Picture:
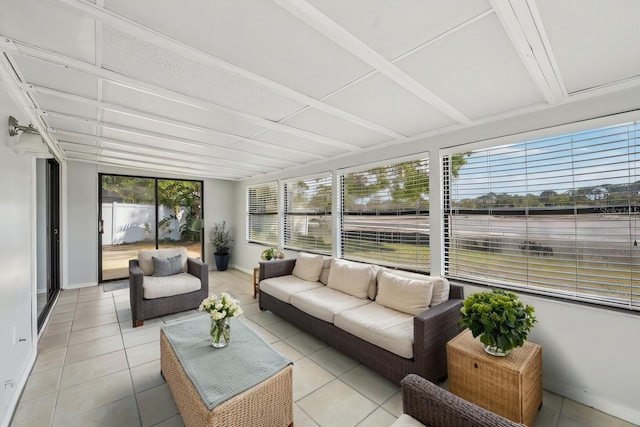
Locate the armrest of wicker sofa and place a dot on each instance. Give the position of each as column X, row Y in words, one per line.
column 276, row 268
column 136, row 292
column 197, row 268
column 434, row 406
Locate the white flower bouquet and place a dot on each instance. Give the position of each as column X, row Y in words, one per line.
column 220, row 309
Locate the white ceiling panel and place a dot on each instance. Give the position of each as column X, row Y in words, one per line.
column 163, row 108
column 378, row 99
column 330, row 126
column 235, row 89
column 57, row 77
column 50, row 25
column 256, row 35
column 480, row 60
column 167, row 69
column 393, row 28
column 595, row 42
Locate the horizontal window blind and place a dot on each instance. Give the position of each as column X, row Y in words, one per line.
column 556, row 215
column 307, row 214
column 385, row 215
column 262, row 215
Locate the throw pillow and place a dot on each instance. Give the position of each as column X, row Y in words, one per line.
column 440, row 284
column 326, row 266
column 406, row 295
column 352, row 278
column 167, row 266
column 308, row 267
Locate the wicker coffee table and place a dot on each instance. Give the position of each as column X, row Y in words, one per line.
column 268, row 403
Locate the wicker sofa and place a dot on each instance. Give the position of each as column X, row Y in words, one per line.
column 428, row 330
column 426, row 404
column 152, row 296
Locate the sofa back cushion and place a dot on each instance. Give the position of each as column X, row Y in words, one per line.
column 440, row 284
column 308, row 267
column 145, row 258
column 409, row 296
column 352, row 278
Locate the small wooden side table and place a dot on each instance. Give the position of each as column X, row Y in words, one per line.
column 510, row 386
column 256, row 281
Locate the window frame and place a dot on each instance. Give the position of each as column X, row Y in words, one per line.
column 272, row 210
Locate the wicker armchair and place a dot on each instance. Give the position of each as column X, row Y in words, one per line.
column 142, row 308
column 434, row 406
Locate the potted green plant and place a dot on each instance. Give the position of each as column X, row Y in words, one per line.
column 499, row 318
column 222, row 242
column 272, row 253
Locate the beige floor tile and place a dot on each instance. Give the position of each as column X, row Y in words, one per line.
column 95, row 333
column 58, row 328
column 49, row 360
column 308, row 377
column 393, row 405
column 379, row 418
column 333, row 361
column 64, row 307
column 103, row 302
column 180, row 316
column 565, row 421
column 124, row 314
column 287, row 351
column 156, row 405
column 67, row 316
column 305, row 343
column 348, row 407
column 590, row 416
column 147, row 376
column 144, row 353
column 551, row 400
column 547, row 417
column 94, row 368
column 42, row 384
column 264, row 318
column 250, row 309
column 264, row 335
column 127, row 326
column 89, row 349
column 34, row 412
column 370, row 384
column 123, row 412
column 301, row 418
column 53, row 342
column 88, row 396
column 175, row 421
column 85, row 313
column 141, row 336
column 282, row 329
column 91, row 322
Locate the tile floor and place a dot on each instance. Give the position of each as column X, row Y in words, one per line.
column 94, row 369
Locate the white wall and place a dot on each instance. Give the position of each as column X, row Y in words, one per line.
column 17, row 266
column 590, row 354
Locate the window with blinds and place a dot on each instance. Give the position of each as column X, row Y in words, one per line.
column 262, row 215
column 307, row 214
column 556, row 215
column 385, row 215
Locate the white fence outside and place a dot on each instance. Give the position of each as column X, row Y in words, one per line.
column 130, row 223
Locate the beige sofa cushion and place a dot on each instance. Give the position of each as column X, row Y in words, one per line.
column 323, row 303
column 406, row 295
column 146, row 263
column 382, row 326
column 282, row 287
column 441, row 287
column 308, row 267
column 166, row 286
column 352, row 278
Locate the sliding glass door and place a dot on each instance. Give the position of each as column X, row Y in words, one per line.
column 146, row 213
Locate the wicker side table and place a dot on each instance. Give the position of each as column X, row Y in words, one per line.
column 510, row 386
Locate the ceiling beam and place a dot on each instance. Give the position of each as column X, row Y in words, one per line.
column 331, row 30
column 25, row 49
column 523, row 25
column 152, row 36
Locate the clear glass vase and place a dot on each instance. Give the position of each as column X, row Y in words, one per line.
column 220, row 333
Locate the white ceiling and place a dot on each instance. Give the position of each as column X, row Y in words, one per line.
column 232, row 89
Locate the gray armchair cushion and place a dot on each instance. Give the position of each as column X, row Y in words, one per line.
column 167, row 266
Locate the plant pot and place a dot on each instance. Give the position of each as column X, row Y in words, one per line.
column 222, row 262
column 494, row 350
